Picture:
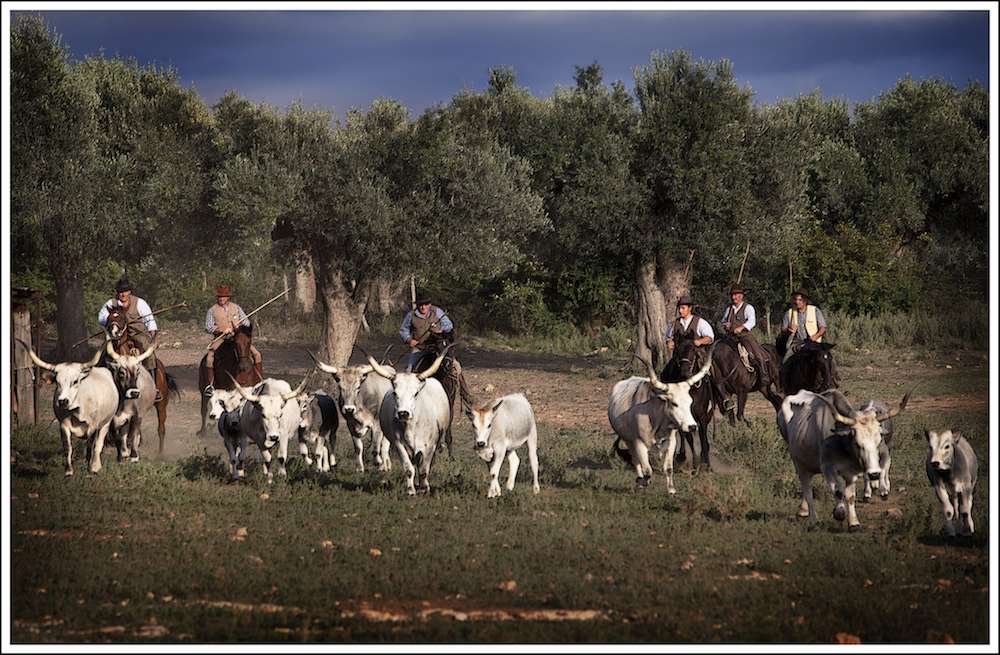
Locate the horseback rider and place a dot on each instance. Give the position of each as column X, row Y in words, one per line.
column 738, row 320
column 689, row 326
column 140, row 323
column 426, row 329
column 803, row 322
column 223, row 319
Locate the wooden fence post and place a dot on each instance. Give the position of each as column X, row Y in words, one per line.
column 23, row 368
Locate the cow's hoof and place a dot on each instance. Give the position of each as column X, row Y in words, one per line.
column 672, row 491
column 854, row 528
column 884, row 496
column 866, row 499
column 840, row 513
column 134, row 459
column 803, row 515
column 68, row 474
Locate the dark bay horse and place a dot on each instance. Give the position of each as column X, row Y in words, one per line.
column 683, row 365
column 811, row 367
column 736, row 380
column 233, row 356
column 123, row 344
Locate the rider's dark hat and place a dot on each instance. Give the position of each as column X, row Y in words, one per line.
column 801, row 291
column 423, row 300
column 123, row 285
column 737, row 288
column 223, row 290
column 685, row 300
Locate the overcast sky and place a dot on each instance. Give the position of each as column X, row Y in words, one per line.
column 344, row 59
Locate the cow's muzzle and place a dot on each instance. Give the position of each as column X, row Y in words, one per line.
column 403, row 415
column 350, row 409
column 270, row 440
column 480, row 444
column 874, row 475
column 132, row 394
column 63, row 403
column 936, row 465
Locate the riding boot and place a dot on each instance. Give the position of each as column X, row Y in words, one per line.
column 210, row 373
column 159, row 396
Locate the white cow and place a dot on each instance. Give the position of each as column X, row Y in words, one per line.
column 645, row 412
column 318, row 430
column 139, row 391
column 85, row 402
column 270, row 416
column 841, row 447
column 359, row 396
column 952, row 468
column 415, row 416
column 503, row 426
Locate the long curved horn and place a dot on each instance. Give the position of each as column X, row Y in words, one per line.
column 902, row 406
column 846, row 420
column 326, row 368
column 436, row 365
column 252, row 398
column 97, row 357
column 39, row 362
column 148, row 352
column 654, row 380
column 697, row 377
column 384, row 372
column 111, row 351
column 297, row 391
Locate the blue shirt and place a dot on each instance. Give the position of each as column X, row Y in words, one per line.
column 406, row 331
column 750, row 313
column 703, row 329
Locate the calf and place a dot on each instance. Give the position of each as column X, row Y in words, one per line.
column 884, row 452
column 839, row 446
column 224, row 406
column 502, row 427
column 269, row 418
column 952, row 468
column 318, row 430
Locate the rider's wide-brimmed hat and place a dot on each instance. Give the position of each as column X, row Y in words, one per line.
column 737, row 288
column 801, row 291
column 223, row 290
column 423, row 299
column 685, row 300
column 123, row 285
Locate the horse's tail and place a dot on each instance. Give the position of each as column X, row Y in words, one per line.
column 781, row 344
column 622, row 452
column 172, row 386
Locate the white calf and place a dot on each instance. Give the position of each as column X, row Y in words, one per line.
column 501, row 428
column 952, row 468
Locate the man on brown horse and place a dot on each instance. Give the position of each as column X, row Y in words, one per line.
column 804, row 322
column 222, row 320
column 689, row 326
column 425, row 329
column 739, row 320
column 141, row 325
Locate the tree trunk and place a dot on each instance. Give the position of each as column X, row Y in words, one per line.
column 670, row 278
column 342, row 313
column 305, row 285
column 388, row 298
column 24, row 386
column 69, row 316
column 652, row 316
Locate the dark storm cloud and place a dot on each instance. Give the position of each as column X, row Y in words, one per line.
column 340, row 59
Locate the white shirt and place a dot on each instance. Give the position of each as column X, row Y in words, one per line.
column 145, row 313
column 704, row 329
column 750, row 313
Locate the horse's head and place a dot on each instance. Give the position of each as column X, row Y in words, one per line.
column 117, row 326
column 241, row 343
column 822, row 362
column 685, row 353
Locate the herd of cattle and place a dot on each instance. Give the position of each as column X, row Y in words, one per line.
column 410, row 414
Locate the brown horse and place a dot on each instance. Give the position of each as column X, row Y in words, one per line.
column 736, row 380
column 233, row 356
column 123, row 344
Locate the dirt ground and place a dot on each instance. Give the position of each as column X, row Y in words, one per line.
column 565, row 391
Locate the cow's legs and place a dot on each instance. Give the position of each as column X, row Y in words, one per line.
column 495, row 465
column 668, row 461
column 408, row 469
column 946, row 507
column 513, row 461
column 852, row 515
column 95, row 456
column 359, row 453
column 807, row 509
column 641, row 457
column 836, row 484
column 266, row 454
column 67, row 446
column 883, row 486
column 244, row 444
column 283, row 454
column 966, row 525
column 134, row 437
column 231, row 451
column 533, row 458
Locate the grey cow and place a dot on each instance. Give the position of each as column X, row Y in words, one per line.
column 318, row 430
column 644, row 412
column 139, row 390
column 840, row 446
column 84, row 403
column 359, row 396
column 952, row 468
column 270, row 416
column 225, row 406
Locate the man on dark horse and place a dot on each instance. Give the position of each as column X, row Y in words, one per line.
column 222, row 320
column 690, row 326
column 140, row 325
column 801, row 340
column 803, row 322
column 738, row 321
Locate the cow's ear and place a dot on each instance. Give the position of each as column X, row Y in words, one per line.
column 468, row 414
column 497, row 404
column 49, row 377
column 927, row 435
column 956, row 436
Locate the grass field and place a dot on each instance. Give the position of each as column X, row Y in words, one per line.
column 166, row 551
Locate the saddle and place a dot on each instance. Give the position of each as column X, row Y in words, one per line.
column 744, row 357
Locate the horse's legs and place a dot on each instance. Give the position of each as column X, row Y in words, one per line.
column 741, row 404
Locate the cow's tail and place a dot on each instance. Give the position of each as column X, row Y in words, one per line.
column 172, row 386
column 622, row 452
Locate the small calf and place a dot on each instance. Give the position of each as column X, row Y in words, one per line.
column 502, row 427
column 318, row 431
column 952, row 469
column 224, row 406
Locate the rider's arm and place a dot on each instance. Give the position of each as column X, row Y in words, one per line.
column 821, row 324
column 241, row 317
column 102, row 316
column 147, row 315
column 406, row 331
column 751, row 315
column 705, row 334
column 725, row 317
column 210, row 322
column 446, row 325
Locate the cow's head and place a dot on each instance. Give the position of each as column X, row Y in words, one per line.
column 864, row 427
column 482, row 423
column 125, row 368
column 407, row 386
column 222, row 401
column 348, row 380
column 67, row 376
column 942, row 447
column 271, row 408
column 677, row 395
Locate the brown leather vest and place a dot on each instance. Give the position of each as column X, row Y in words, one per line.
column 680, row 333
column 225, row 317
column 421, row 325
column 737, row 319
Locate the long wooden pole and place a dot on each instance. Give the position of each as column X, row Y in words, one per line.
column 249, row 315
column 413, row 293
column 739, row 278
column 135, row 320
column 790, row 286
